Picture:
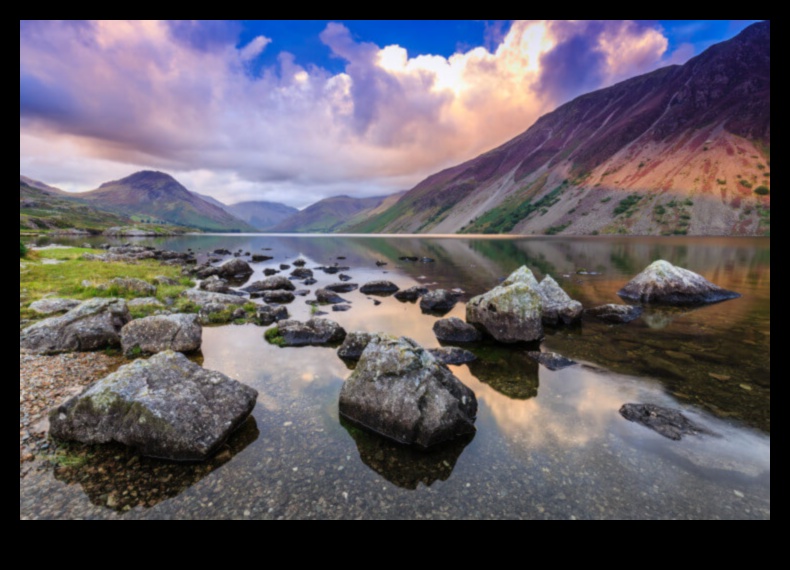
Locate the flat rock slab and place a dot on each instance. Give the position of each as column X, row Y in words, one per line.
column 551, row 360
column 615, row 314
column 455, row 330
column 53, row 305
column 452, row 355
column 206, row 297
column 399, row 390
column 275, row 283
column 166, row 406
column 379, row 288
column 663, row 283
column 179, row 332
column 315, row 332
column 666, row 421
column 341, row 287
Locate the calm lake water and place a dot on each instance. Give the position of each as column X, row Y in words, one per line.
column 548, row 444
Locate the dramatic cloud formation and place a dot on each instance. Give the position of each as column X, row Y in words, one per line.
column 101, row 99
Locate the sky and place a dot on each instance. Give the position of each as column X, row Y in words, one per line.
column 294, row 111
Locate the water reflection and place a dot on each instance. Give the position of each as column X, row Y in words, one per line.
column 509, row 371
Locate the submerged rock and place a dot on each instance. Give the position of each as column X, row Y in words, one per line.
column 158, row 333
column 616, row 314
column 551, row 360
column 378, row 288
column 666, row 421
column 165, row 406
column 314, row 332
column 401, row 391
column 558, row 307
column 662, row 282
column 93, row 324
column 144, row 302
column 455, row 330
column 452, row 355
column 53, row 305
column 440, row 301
column 411, row 294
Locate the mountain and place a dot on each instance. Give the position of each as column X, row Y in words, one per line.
column 684, row 149
column 42, row 209
column 41, row 186
column 332, row 214
column 158, row 196
column 262, row 215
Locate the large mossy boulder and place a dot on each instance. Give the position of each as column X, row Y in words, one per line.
column 511, row 312
column 399, row 390
column 92, row 325
column 149, row 335
column 663, row 283
column 166, row 406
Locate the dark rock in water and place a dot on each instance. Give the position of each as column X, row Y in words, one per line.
column 266, row 314
column 511, row 312
column 258, row 257
column 551, row 360
column 408, row 258
column 277, row 296
column 334, row 269
column 341, row 287
column 275, row 283
column 165, row 406
column 314, row 332
column 221, row 251
column 452, row 355
column 376, row 302
column 380, row 263
column 615, row 314
column 300, row 262
column 439, row 301
column 235, row 268
column 325, row 297
column 379, row 288
column 666, row 421
column 236, row 254
column 354, row 345
column 344, row 277
column 268, row 272
column 51, row 305
column 92, row 325
column 411, row 294
column 214, row 284
column 663, row 283
column 508, row 371
column 284, row 266
column 341, row 257
column 399, row 390
column 341, row 308
column 427, row 260
column 301, row 273
column 158, row 333
column 558, row 307
column 455, row 330
column 310, row 281
column 302, row 292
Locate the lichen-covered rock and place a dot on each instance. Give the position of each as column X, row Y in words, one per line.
column 214, row 284
column 165, row 406
column 452, row 355
column 511, row 312
column 551, row 360
column 354, row 345
column 266, row 314
column 558, row 307
column 275, row 283
column 439, row 301
column 278, row 296
column 130, row 285
column 53, row 305
column 314, row 332
column 400, row 390
column 411, row 294
column 378, row 288
column 93, row 324
column 661, row 282
column 455, row 330
column 158, row 333
column 144, row 302
column 615, row 314
column 341, row 287
column 235, row 267
column 205, row 297
column 666, row 421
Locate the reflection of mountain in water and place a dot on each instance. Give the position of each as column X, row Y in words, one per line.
column 507, row 370
column 116, row 477
column 403, row 465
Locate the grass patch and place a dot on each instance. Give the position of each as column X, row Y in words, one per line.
column 273, row 336
column 745, row 183
column 554, row 230
column 503, row 218
column 605, row 200
column 22, row 250
column 626, row 204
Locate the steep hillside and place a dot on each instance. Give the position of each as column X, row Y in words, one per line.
column 262, row 215
column 684, row 149
column 41, row 209
column 331, row 214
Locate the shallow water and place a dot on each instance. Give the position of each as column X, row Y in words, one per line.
column 548, row 444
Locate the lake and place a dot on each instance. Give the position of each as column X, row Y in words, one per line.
column 549, row 445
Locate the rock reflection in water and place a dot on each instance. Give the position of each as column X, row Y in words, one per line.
column 116, row 477
column 661, row 317
column 509, row 371
column 405, row 465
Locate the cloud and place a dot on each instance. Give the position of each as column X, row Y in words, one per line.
column 180, row 96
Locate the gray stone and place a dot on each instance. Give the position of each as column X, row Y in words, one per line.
column 279, row 296
column 551, row 360
column 302, row 273
column 268, row 272
column 452, row 355
column 400, row 390
column 150, row 335
column 165, row 407
column 439, row 301
column 214, row 284
column 666, row 421
column 93, row 324
column 300, row 262
column 661, row 282
column 411, row 294
column 558, row 307
column 344, row 277
column 53, row 305
column 145, row 302
column 130, row 285
column 511, row 312
column 235, row 267
column 267, row 314
column 278, row 282
column 162, row 280
column 341, row 308
column 325, row 297
column 379, row 288
column 455, row 330
column 616, row 314
column 204, row 297
column 258, row 257
column 354, row 345
column 314, row 332
column 341, row 287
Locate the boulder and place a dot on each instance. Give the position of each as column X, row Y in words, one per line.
column 235, row 267
column 400, row 390
column 663, row 283
column 379, row 288
column 341, row 308
column 284, row 266
column 666, row 421
column 158, row 333
column 551, row 360
column 279, row 296
column 454, row 330
column 558, row 307
column 354, row 345
column 214, row 284
column 615, row 314
column 268, row 272
column 325, row 297
column 511, row 312
column 314, row 332
column 53, row 305
column 165, row 407
column 452, row 355
column 411, row 294
column 278, row 282
column 145, row 302
column 93, row 324
column 299, row 262
column 267, row 314
column 130, row 285
column 341, row 287
column 440, row 301
column 302, row 273
column 204, row 297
